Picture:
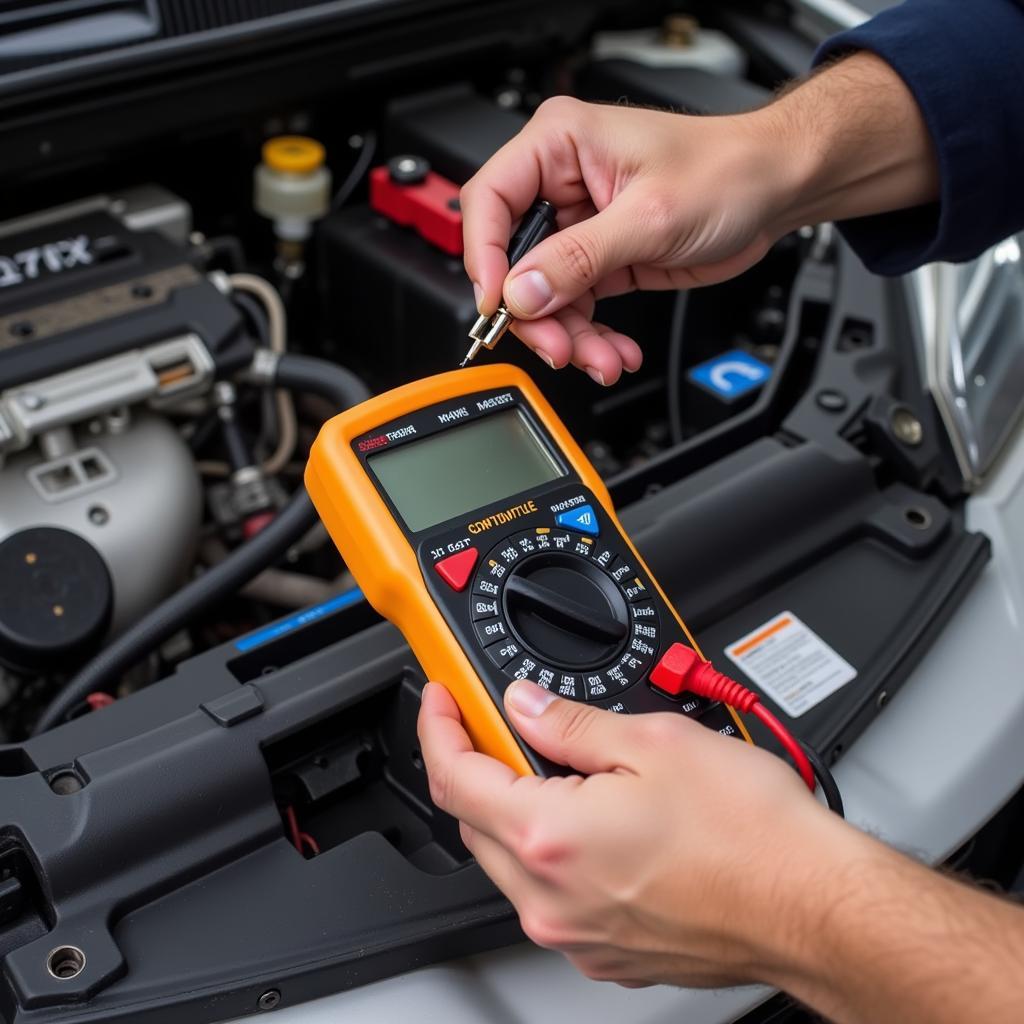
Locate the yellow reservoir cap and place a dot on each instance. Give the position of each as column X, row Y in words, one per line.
column 293, row 154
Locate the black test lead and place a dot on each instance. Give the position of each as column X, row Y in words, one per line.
column 536, row 225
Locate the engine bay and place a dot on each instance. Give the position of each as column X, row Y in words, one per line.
column 164, row 317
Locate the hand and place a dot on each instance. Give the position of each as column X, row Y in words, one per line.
column 651, row 200
column 646, row 200
column 683, row 856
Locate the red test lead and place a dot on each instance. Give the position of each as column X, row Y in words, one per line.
column 682, row 668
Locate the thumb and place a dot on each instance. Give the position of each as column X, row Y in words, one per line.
column 566, row 732
column 572, row 261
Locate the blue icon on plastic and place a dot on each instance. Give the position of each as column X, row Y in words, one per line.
column 731, row 374
column 581, row 519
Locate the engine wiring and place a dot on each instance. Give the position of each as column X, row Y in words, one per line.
column 358, row 171
column 300, row 840
column 277, row 335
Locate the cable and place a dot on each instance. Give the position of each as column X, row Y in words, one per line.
column 303, row 373
column 682, row 668
column 270, row 427
column 277, row 332
column 359, row 169
column 829, row 788
column 675, row 369
column 298, row 837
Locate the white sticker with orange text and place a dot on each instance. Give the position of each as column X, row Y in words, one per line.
column 790, row 663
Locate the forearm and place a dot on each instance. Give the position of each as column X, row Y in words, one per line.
column 880, row 939
column 848, row 142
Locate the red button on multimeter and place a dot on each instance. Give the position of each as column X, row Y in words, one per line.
column 472, row 520
column 455, row 570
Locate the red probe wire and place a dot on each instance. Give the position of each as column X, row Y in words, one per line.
column 682, row 668
column 299, row 838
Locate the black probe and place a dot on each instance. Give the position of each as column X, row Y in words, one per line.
column 536, row 225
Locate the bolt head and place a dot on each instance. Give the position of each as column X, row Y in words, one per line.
column 906, row 427
column 270, row 999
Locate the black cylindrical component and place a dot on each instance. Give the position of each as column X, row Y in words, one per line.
column 536, row 225
column 56, row 600
column 301, row 373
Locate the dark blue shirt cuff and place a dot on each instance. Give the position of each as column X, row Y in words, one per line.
column 963, row 60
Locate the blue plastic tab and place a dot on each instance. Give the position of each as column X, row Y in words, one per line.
column 731, row 374
column 581, row 519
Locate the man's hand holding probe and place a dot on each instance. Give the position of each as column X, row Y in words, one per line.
column 653, row 200
column 676, row 855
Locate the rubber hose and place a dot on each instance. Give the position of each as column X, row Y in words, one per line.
column 299, row 373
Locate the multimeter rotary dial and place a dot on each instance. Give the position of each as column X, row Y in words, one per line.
column 566, row 610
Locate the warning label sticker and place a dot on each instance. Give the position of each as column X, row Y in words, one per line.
column 791, row 664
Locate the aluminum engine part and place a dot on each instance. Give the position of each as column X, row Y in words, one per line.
column 134, row 494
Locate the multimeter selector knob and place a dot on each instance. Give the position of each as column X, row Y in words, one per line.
column 567, row 610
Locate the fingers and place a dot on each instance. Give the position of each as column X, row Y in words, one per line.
column 575, row 260
column 474, row 788
column 571, row 336
column 585, row 738
column 540, row 160
column 498, row 864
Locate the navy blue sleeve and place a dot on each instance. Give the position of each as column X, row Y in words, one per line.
column 963, row 60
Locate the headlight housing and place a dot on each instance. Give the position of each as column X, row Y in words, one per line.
column 971, row 320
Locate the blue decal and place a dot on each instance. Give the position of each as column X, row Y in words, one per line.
column 731, row 374
column 299, row 619
column 581, row 519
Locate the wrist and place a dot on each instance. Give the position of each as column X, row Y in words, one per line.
column 848, row 142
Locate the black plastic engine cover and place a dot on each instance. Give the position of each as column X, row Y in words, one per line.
column 78, row 289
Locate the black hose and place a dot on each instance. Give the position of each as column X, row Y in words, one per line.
column 300, row 373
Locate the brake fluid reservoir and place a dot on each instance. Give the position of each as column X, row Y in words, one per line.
column 292, row 186
column 680, row 41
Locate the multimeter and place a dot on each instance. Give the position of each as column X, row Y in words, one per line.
column 472, row 520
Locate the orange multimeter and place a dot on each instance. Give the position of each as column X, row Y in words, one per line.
column 473, row 521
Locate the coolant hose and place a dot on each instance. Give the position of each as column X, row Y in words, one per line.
column 297, row 373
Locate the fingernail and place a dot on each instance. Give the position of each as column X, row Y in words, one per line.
column 528, row 698
column 529, row 292
column 547, row 359
column 478, row 294
column 595, row 374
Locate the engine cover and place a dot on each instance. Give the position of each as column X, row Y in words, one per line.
column 134, row 495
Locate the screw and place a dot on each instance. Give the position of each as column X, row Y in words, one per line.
column 142, row 291
column 831, row 401
column 31, row 401
column 906, row 427
column 65, row 783
column 407, row 165
column 98, row 515
column 270, row 999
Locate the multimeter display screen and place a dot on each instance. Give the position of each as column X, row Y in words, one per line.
column 465, row 468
